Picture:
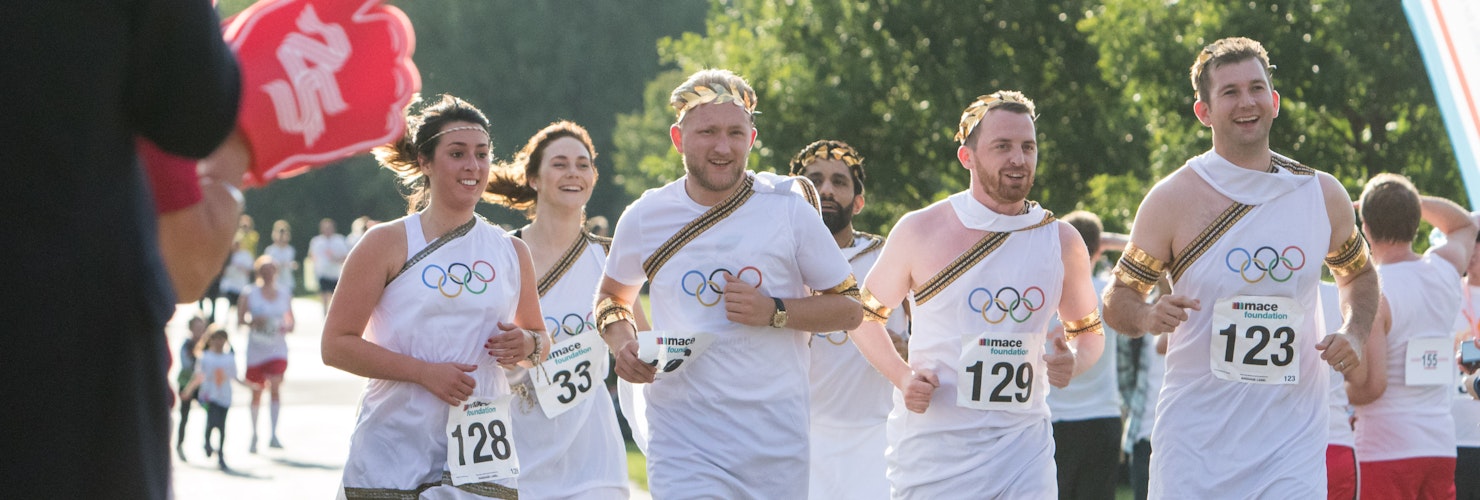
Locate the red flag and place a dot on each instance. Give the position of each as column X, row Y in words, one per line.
column 321, row 80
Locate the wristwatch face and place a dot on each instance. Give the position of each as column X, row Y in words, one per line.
column 778, row 320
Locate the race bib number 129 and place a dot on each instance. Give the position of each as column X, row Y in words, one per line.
column 480, row 447
column 1253, row 340
column 997, row 370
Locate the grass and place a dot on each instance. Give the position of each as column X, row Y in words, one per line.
column 636, row 466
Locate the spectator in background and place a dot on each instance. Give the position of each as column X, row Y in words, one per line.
column 357, row 230
column 598, row 226
column 283, row 253
column 237, row 275
column 328, row 251
column 247, row 233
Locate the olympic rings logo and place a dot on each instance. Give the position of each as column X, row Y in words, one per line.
column 997, row 307
column 571, row 328
column 703, row 286
column 1267, row 262
column 462, row 276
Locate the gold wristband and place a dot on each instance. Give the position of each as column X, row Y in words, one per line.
column 609, row 311
column 848, row 288
column 1089, row 324
column 1138, row 269
column 873, row 310
column 1351, row 257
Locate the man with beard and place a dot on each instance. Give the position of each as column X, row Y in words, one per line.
column 850, row 400
column 1238, row 231
column 986, row 270
column 731, row 256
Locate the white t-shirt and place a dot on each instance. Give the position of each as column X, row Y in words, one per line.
column 1411, row 421
column 328, row 253
column 1339, row 424
column 219, row 370
column 850, row 403
column 268, row 343
column 733, row 423
column 1094, row 393
column 238, row 272
column 283, row 256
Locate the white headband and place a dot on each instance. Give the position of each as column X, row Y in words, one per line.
column 454, row 129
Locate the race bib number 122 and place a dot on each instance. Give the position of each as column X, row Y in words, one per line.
column 1253, row 340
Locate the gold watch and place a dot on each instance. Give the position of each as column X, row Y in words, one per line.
column 778, row 320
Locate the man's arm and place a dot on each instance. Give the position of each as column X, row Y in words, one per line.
column 195, row 240
column 827, row 312
column 1368, row 380
column 884, row 291
column 1351, row 265
column 1079, row 305
column 1144, row 262
column 620, row 333
column 1458, row 228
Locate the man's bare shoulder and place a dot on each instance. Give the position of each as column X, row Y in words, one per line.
column 1173, row 193
column 916, row 225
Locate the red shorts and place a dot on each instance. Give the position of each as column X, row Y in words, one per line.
column 1415, row 478
column 258, row 373
column 1341, row 472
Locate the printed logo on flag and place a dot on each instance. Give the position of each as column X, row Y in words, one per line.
column 321, row 80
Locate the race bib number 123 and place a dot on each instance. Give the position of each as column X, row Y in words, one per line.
column 1253, row 339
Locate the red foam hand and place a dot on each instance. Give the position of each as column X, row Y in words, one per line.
column 321, row 80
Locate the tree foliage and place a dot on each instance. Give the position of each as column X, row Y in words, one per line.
column 1110, row 79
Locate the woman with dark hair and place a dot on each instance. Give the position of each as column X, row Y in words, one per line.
column 429, row 307
column 570, row 446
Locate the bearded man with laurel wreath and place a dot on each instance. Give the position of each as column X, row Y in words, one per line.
column 732, row 257
column 985, row 271
column 1405, row 434
column 1237, row 231
column 850, row 400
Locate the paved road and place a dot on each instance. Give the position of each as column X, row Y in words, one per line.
column 318, row 414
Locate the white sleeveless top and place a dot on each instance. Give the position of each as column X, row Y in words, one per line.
column 1216, row 438
column 580, row 453
column 733, row 423
column 950, row 449
column 1411, row 421
column 850, row 402
column 268, row 343
column 399, row 441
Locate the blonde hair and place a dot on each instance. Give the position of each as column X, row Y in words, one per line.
column 712, row 86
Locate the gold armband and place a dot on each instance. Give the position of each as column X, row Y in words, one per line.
column 848, row 288
column 873, row 310
column 609, row 311
column 1088, row 324
column 1350, row 257
column 1138, row 269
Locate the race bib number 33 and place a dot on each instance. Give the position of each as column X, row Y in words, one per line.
column 997, row 370
column 480, row 447
column 1253, row 339
column 574, row 367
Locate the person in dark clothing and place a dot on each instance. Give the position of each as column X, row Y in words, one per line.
column 83, row 358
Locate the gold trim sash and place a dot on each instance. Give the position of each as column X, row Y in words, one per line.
column 487, row 490
column 455, row 233
column 968, row 260
column 875, row 242
column 697, row 226
column 553, row 275
column 1210, row 235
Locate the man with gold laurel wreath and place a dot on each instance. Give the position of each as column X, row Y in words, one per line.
column 731, row 256
column 850, row 400
column 1238, row 231
column 985, row 271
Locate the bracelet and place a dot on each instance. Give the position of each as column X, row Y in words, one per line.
column 609, row 311
column 534, row 356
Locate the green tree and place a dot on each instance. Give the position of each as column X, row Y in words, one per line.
column 1355, row 99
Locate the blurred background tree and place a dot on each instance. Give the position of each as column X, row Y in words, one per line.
column 891, row 77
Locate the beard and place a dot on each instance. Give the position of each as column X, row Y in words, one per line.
column 714, row 181
column 840, row 219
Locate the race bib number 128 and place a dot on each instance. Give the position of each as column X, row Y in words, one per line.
column 1253, row 340
column 480, row 447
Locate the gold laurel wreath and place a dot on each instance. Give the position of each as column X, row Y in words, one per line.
column 718, row 94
